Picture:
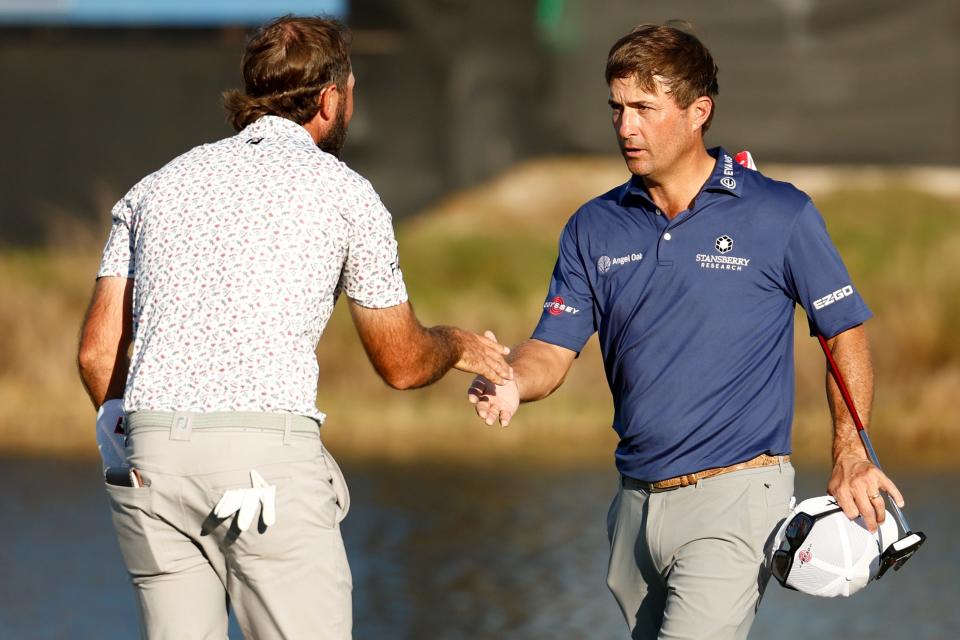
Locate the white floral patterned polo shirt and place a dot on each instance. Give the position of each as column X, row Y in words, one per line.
column 238, row 250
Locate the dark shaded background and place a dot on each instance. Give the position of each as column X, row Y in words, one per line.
column 452, row 91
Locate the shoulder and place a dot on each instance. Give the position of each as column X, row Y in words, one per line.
column 187, row 162
column 773, row 194
column 345, row 193
column 346, row 179
column 352, row 194
column 780, row 203
column 593, row 213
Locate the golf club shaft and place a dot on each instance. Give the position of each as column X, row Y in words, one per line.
column 848, row 400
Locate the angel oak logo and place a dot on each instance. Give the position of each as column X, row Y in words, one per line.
column 605, row 263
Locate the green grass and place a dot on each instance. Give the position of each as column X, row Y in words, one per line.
column 484, row 261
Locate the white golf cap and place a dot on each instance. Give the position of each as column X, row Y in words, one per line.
column 839, row 556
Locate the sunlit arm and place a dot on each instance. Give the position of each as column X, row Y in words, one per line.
column 540, row 368
column 851, row 351
column 102, row 357
column 855, row 482
column 408, row 355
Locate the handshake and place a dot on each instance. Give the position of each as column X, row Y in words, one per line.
column 536, row 369
column 494, row 392
column 494, row 401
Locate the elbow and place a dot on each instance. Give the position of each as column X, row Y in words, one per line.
column 86, row 359
column 400, row 380
column 405, row 374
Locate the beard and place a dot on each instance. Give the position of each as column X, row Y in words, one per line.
column 332, row 143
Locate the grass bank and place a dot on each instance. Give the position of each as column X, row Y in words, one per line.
column 481, row 259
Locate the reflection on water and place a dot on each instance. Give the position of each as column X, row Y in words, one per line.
column 450, row 554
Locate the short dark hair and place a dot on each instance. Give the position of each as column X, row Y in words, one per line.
column 286, row 65
column 672, row 55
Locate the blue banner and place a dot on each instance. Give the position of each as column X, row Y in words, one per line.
column 160, row 12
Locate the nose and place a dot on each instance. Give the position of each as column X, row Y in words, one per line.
column 628, row 124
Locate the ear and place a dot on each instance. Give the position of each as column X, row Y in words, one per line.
column 328, row 101
column 700, row 110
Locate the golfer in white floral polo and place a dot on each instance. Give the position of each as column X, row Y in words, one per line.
column 223, row 268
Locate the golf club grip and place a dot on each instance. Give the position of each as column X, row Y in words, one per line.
column 835, row 370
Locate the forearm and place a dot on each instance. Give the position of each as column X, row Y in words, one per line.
column 104, row 379
column 104, row 339
column 408, row 355
column 851, row 351
column 538, row 370
column 435, row 351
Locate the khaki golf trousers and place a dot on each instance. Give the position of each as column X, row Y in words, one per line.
column 288, row 580
column 688, row 564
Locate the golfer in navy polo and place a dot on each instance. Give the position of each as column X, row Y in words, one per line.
column 690, row 273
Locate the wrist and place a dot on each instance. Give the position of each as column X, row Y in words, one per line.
column 849, row 456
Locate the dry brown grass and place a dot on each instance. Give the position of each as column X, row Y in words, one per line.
column 481, row 259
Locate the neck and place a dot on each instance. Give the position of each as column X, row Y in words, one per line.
column 675, row 190
column 313, row 128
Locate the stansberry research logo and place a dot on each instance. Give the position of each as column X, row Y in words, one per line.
column 724, row 244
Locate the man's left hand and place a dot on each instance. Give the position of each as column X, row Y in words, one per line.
column 858, row 486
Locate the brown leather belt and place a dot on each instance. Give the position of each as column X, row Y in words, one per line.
column 762, row 460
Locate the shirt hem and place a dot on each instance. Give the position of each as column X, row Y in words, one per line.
column 838, row 327
column 559, row 340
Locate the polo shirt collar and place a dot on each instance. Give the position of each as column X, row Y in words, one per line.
column 727, row 176
column 276, row 126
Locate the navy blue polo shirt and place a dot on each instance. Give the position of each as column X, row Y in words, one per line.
column 695, row 314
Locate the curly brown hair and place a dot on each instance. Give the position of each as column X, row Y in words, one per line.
column 671, row 55
column 286, row 64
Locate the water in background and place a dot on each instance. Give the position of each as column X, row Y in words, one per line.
column 450, row 554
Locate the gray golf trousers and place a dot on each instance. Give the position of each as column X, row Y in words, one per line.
column 687, row 564
column 288, row 580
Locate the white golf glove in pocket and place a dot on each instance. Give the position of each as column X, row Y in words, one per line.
column 111, row 434
column 244, row 502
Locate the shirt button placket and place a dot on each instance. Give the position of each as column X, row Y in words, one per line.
column 664, row 252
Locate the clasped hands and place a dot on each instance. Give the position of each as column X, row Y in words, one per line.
column 494, row 391
column 494, row 402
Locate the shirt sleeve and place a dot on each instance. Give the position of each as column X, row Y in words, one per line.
column 817, row 279
column 118, row 253
column 371, row 274
column 567, row 319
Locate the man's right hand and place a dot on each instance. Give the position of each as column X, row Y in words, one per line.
column 483, row 355
column 494, row 402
